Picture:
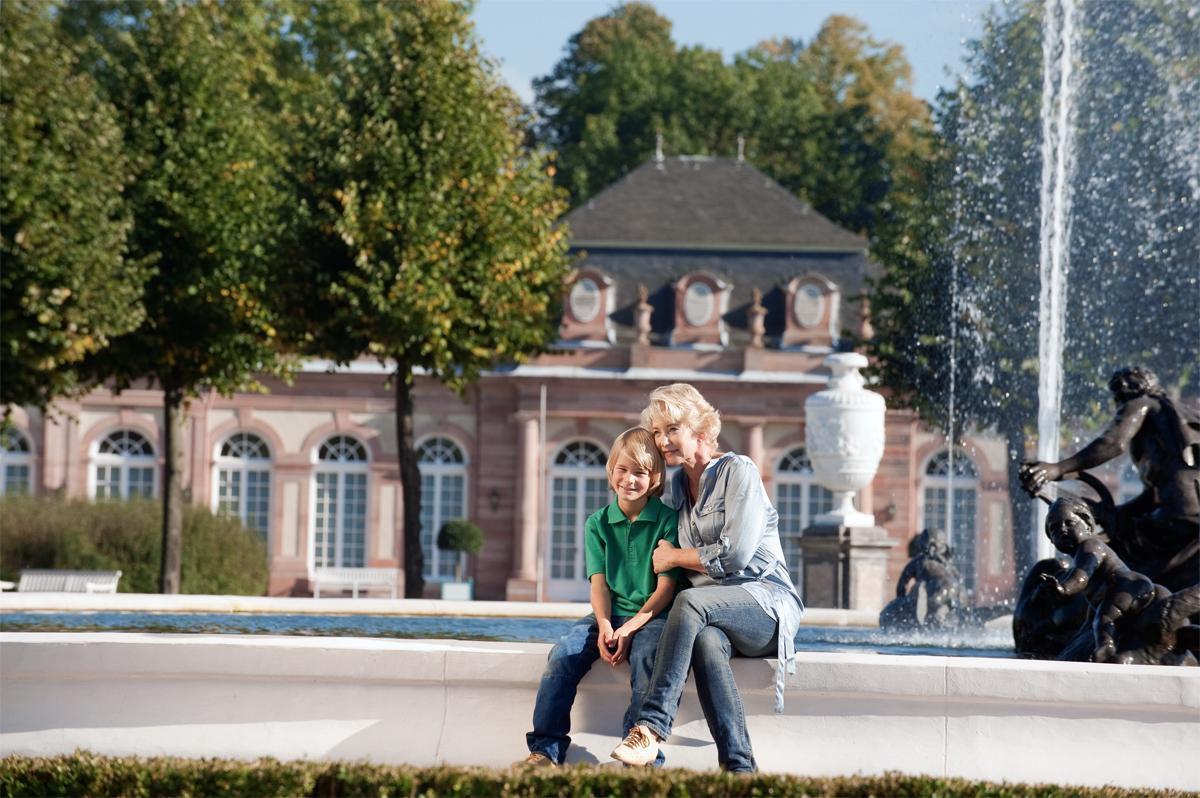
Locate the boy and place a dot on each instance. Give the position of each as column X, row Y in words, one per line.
column 628, row 599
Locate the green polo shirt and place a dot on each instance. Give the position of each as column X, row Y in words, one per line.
column 623, row 551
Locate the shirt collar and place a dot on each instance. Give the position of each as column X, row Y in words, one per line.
column 649, row 512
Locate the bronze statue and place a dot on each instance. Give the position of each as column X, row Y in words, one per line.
column 1115, row 593
column 1158, row 532
column 929, row 592
column 1136, row 566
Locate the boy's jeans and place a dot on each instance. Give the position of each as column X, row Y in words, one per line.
column 706, row 627
column 568, row 663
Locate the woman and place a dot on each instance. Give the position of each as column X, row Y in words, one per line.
column 742, row 601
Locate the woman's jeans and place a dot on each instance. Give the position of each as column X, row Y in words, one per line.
column 568, row 663
column 706, row 627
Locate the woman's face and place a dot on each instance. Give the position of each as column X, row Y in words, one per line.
column 677, row 442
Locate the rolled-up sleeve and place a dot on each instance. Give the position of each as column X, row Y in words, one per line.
column 745, row 522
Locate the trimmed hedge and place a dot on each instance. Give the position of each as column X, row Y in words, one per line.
column 220, row 556
column 85, row 774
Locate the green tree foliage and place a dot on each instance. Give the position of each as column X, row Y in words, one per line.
column 604, row 101
column 67, row 285
column 459, row 534
column 426, row 235
column 205, row 194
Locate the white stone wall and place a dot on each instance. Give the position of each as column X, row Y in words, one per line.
column 427, row 702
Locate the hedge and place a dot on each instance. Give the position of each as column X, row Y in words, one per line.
column 220, row 556
column 85, row 774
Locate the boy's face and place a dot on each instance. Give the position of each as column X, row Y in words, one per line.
column 630, row 481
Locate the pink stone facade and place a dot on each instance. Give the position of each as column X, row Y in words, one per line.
column 508, row 479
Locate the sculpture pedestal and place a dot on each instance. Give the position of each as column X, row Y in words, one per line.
column 846, row 567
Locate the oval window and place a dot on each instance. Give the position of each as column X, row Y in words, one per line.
column 698, row 304
column 584, row 300
column 808, row 306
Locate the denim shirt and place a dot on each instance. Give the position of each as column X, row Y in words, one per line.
column 735, row 531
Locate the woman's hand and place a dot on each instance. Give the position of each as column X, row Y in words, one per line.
column 622, row 641
column 664, row 556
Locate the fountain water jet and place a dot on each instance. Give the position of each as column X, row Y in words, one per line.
column 1058, row 118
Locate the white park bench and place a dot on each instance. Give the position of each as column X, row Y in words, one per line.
column 353, row 579
column 46, row 581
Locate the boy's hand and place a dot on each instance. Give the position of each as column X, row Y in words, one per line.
column 664, row 556
column 607, row 643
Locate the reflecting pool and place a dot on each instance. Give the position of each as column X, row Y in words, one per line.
column 962, row 643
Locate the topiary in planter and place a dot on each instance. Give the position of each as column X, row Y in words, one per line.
column 460, row 534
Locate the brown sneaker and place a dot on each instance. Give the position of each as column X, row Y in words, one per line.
column 536, row 759
column 639, row 748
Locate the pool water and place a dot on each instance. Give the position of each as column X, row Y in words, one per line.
column 963, row 643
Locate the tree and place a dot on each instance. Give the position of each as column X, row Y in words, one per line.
column 426, row 235
column 68, row 286
column 603, row 103
column 205, row 196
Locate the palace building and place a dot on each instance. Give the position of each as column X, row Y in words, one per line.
column 699, row 270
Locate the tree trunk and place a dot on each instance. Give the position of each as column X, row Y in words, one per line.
column 170, row 573
column 410, row 479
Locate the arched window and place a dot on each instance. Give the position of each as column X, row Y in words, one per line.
column 340, row 504
column 950, row 491
column 578, row 487
column 443, row 498
column 124, row 467
column 16, row 459
column 798, row 499
column 244, row 481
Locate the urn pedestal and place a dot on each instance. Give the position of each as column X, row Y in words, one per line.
column 845, row 567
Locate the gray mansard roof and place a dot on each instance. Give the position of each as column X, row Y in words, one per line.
column 689, row 202
column 723, row 217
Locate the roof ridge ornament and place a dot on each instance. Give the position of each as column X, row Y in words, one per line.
column 741, row 141
column 658, row 149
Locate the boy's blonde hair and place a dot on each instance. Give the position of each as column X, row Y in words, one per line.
column 638, row 445
column 682, row 404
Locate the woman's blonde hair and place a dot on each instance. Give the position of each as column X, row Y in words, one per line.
column 682, row 404
column 638, row 445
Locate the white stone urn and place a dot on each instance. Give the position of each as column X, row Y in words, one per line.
column 843, row 433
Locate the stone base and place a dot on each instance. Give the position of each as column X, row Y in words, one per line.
column 520, row 590
column 845, row 567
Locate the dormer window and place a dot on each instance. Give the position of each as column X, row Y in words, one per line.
column 809, row 306
column 584, row 300
column 589, row 302
column 812, row 312
column 698, row 304
column 701, row 301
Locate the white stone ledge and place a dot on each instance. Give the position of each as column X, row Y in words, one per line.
column 462, row 702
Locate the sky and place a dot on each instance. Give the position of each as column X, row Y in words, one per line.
column 528, row 36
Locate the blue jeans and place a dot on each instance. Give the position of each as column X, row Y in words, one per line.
column 569, row 661
column 706, row 627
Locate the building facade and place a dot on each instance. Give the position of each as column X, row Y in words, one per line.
column 690, row 269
